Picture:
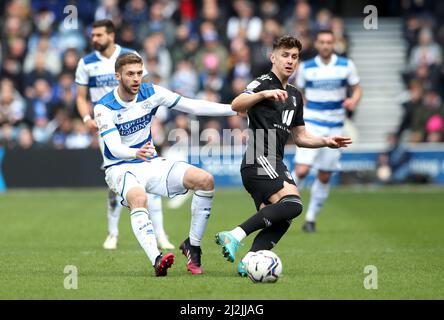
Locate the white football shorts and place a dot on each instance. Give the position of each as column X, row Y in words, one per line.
column 160, row 176
column 324, row 159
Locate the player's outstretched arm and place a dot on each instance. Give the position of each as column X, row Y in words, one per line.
column 245, row 101
column 193, row 106
column 203, row 107
column 172, row 100
column 304, row 139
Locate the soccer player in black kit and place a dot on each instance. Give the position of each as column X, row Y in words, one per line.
column 275, row 110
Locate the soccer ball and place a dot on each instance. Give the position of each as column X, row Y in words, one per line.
column 264, row 266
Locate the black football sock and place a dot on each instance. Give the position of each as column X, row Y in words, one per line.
column 267, row 238
column 288, row 208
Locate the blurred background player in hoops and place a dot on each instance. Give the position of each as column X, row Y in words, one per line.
column 325, row 80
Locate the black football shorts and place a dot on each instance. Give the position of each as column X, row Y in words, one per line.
column 262, row 180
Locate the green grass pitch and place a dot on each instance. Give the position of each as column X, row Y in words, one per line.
column 398, row 230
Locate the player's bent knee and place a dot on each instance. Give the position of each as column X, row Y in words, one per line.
column 208, row 182
column 324, row 177
column 136, row 198
column 302, row 172
column 198, row 179
column 205, row 181
column 292, row 205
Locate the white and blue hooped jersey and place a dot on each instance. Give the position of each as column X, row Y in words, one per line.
column 325, row 89
column 131, row 119
column 98, row 74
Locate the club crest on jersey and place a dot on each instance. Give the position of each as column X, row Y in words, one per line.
column 293, row 98
column 146, row 105
column 287, row 117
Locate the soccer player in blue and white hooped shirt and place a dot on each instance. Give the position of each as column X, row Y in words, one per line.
column 95, row 74
column 325, row 80
column 133, row 168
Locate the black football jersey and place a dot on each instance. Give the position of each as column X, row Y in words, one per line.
column 270, row 122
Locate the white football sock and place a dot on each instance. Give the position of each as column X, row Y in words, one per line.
column 156, row 215
column 200, row 212
column 144, row 232
column 113, row 214
column 319, row 193
column 238, row 233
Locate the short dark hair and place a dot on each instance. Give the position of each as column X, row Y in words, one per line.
column 287, row 42
column 108, row 24
column 127, row 58
column 324, row 31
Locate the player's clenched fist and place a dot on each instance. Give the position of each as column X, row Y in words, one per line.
column 276, row 95
column 146, row 152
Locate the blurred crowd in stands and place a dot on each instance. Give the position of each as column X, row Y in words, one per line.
column 423, row 107
column 207, row 49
